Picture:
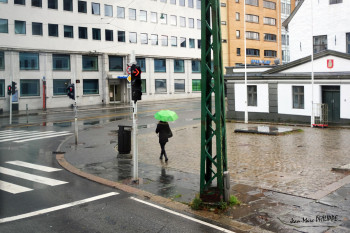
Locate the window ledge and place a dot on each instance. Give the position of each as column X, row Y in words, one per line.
column 88, row 95
column 30, row 97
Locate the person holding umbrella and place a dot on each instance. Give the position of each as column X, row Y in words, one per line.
column 164, row 130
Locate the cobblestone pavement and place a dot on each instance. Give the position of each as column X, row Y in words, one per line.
column 298, row 163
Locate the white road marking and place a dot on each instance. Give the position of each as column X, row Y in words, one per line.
column 43, row 137
column 184, row 216
column 8, row 132
column 24, row 134
column 33, row 166
column 13, row 188
column 31, row 177
column 60, row 207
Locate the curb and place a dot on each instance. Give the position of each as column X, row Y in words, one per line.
column 226, row 221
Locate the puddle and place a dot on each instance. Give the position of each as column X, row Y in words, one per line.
column 269, row 130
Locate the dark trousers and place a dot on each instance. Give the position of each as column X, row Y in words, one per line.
column 162, row 147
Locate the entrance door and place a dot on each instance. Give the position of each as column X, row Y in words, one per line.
column 331, row 97
column 114, row 93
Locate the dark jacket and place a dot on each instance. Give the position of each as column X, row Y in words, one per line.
column 164, row 130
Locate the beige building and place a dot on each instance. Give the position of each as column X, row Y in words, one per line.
column 263, row 31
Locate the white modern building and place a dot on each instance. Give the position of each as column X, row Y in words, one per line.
column 47, row 44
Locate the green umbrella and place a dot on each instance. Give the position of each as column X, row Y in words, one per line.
column 166, row 115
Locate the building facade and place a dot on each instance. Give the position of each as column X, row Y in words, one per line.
column 47, row 44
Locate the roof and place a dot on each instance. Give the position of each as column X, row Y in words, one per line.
column 291, row 16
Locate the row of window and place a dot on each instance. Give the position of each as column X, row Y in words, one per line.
column 256, row 52
column 256, row 36
column 297, row 92
column 61, row 62
column 255, row 19
column 31, row 87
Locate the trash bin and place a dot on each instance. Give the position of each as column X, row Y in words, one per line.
column 124, row 139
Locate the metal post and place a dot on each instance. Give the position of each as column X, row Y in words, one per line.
column 75, row 104
column 27, row 112
column 312, row 68
column 245, row 72
column 135, row 147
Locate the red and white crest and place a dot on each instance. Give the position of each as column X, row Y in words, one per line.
column 330, row 63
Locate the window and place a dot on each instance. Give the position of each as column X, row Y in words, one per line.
column 37, row 29
column 335, row 1
column 29, row 61
column 2, row 88
column 179, row 85
column 320, row 43
column 159, row 65
column 132, row 14
column 223, row 22
column 36, row 3
column 238, row 51
column 298, row 97
column 53, row 30
column 109, row 10
column 270, row 53
column 174, row 41
column 237, row 1
column 199, row 43
column 60, row 86
column 160, row 86
column 164, row 40
column 198, row 4
column 2, row 60
column 163, row 1
column 163, row 19
column 252, row 95
column 108, row 35
column 154, row 18
column 83, row 33
column 269, row 21
column 252, row 2
column 196, row 85
column 173, row 20
column 144, row 38
column 96, row 34
column 269, row 37
column 196, row 66
column 120, row 12
column 132, row 37
column 30, row 87
column 238, row 34
column 51, row 4
column 143, row 16
column 121, row 36
column 115, row 63
column 182, row 2
column 179, row 66
column 252, row 35
column 285, row 39
column 60, row 62
column 142, row 63
column 82, row 7
column 154, row 39
column 199, row 24
column 173, row 2
column 90, row 86
column 4, row 26
column 67, row 5
column 191, row 43
column 223, row 4
column 237, row 16
column 22, row 2
column 252, row 18
column 190, row 23
column 90, row 63
column 269, row 5
column 143, row 85
column 68, row 31
column 182, row 42
column 190, row 3
column 253, row 52
column 348, row 42
column 20, row 27
column 95, row 8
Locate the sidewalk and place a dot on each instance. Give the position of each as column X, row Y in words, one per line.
column 285, row 183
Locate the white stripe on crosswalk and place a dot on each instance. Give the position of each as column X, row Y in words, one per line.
column 35, row 137
column 31, row 177
column 43, row 137
column 8, row 132
column 13, row 188
column 33, row 166
column 24, row 134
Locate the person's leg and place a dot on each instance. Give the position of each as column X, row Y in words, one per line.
column 166, row 158
column 162, row 150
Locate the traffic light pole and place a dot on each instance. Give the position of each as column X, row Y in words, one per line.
column 11, row 107
column 135, row 148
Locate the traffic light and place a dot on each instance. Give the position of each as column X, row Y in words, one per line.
column 9, row 89
column 14, row 87
column 136, row 88
column 70, row 91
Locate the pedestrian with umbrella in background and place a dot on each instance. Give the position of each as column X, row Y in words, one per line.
column 163, row 129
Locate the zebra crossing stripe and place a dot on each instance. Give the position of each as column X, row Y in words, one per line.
column 31, row 177
column 33, row 166
column 10, row 132
column 43, row 137
column 24, row 134
column 13, row 188
column 35, row 137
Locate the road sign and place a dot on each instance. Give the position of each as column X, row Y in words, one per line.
column 129, row 78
